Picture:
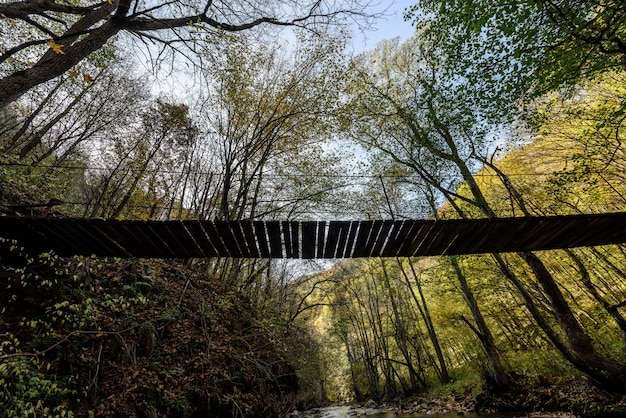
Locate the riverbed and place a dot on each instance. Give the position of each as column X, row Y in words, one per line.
column 349, row 411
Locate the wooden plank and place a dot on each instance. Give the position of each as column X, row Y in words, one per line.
column 443, row 236
column 161, row 242
column 336, row 230
column 324, row 239
column 194, row 249
column 413, row 229
column 295, row 239
column 242, row 244
column 420, row 236
column 225, row 233
column 495, row 235
column 291, row 245
column 106, row 241
column 248, row 233
column 214, row 238
column 22, row 234
column 573, row 233
column 116, row 233
column 361, row 239
column 373, row 237
column 321, row 238
column 503, row 235
column 89, row 237
column 507, row 235
column 613, row 231
column 382, row 238
column 38, row 240
column 67, row 234
column 309, row 234
column 56, row 239
column 351, row 240
column 261, row 236
column 159, row 237
column 568, row 233
column 140, row 242
column 397, row 237
column 464, row 238
column 152, row 244
column 332, row 238
column 174, row 237
column 274, row 235
column 492, row 235
column 436, row 238
column 285, row 226
column 191, row 247
column 26, row 234
column 343, row 240
column 195, row 230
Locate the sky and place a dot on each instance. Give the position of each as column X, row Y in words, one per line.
column 387, row 27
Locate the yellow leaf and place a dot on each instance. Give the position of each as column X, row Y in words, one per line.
column 31, row 63
column 73, row 73
column 57, row 48
column 87, row 78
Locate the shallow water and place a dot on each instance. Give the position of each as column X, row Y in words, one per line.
column 351, row 411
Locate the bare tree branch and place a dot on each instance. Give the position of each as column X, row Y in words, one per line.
column 91, row 27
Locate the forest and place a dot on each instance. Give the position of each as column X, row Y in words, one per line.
column 255, row 110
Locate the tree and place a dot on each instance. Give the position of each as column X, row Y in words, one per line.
column 512, row 49
column 583, row 170
column 401, row 111
column 424, row 311
column 379, row 326
column 141, row 163
column 413, row 118
column 267, row 115
column 56, row 36
column 80, row 107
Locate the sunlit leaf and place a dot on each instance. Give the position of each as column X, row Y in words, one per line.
column 57, row 48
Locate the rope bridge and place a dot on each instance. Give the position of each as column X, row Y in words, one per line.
column 310, row 239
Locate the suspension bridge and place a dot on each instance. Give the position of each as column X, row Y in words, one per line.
column 310, row 239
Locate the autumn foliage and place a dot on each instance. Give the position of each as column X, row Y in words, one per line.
column 132, row 338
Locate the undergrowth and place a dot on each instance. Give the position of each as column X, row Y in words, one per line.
column 104, row 337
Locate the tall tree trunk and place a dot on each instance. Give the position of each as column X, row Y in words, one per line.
column 585, row 278
column 422, row 307
column 496, row 369
column 577, row 347
column 607, row 373
column 401, row 334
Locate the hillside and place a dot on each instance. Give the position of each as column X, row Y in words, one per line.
column 132, row 338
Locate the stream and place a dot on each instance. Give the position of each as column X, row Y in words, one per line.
column 356, row 411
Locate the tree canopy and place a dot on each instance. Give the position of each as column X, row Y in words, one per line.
column 47, row 38
column 524, row 48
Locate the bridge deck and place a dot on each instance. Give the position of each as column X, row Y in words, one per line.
column 315, row 239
